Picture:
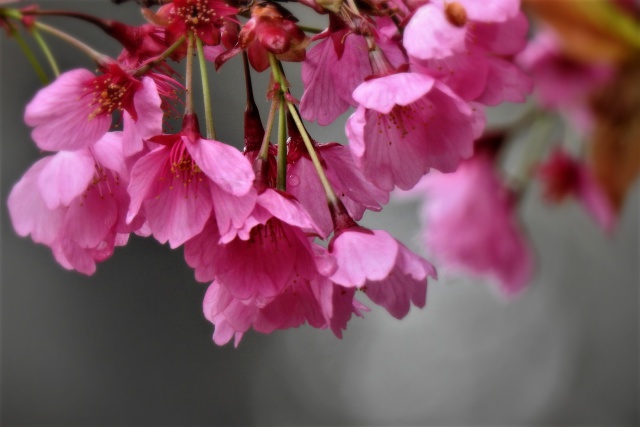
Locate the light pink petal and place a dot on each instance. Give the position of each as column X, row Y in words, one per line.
column 491, row 10
column 146, row 179
column 223, row 164
column 352, row 68
column 146, row 102
column 363, row 256
column 179, row 213
column 384, row 93
column 65, row 177
column 73, row 257
column 28, row 211
column 429, row 35
column 60, row 114
column 108, row 154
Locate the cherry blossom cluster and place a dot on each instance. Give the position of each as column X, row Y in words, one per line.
column 274, row 228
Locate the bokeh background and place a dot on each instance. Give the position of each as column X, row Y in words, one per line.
column 130, row 346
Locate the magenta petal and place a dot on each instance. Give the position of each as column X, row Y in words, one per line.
column 146, row 102
column 429, row 35
column 60, row 114
column 406, row 284
column 231, row 211
column 506, row 82
column 287, row 210
column 91, row 217
column 201, row 251
column 384, row 93
column 303, row 183
column 28, row 211
column 363, row 256
column 321, row 101
column 223, row 164
column 65, row 177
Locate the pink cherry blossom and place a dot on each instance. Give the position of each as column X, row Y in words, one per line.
column 176, row 183
column 76, row 203
column 564, row 176
column 406, row 124
column 470, row 224
column 391, row 275
column 561, row 82
column 271, row 252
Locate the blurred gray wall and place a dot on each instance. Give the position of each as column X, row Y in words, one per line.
column 129, row 346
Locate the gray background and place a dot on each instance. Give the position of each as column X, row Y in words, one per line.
column 129, row 346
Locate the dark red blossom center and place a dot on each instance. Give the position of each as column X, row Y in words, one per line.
column 113, row 91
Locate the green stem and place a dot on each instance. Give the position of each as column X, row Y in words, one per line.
column 211, row 131
column 279, row 77
column 188, row 80
column 159, row 59
column 89, row 51
column 30, row 56
column 264, row 148
column 331, row 195
column 311, row 30
column 281, row 183
column 47, row 52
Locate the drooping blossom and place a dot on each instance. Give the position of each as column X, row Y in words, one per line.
column 271, row 252
column 471, row 224
column 76, row 202
column 563, row 83
column 178, row 183
column 75, row 111
column 406, row 124
column 390, row 274
column 563, row 176
column 468, row 45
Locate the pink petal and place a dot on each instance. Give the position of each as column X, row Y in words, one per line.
column 224, row 164
column 506, row 82
column 146, row 102
column 60, row 114
column 108, row 153
column 384, row 93
column 65, row 177
column 179, row 213
column 146, row 179
column 231, row 211
column 429, row 35
column 363, row 256
column 28, row 211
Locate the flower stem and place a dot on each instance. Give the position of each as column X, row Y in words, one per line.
column 30, row 56
column 188, row 108
column 211, row 131
column 264, row 148
column 149, row 64
column 280, row 79
column 281, row 183
column 47, row 52
column 89, row 51
column 331, row 195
